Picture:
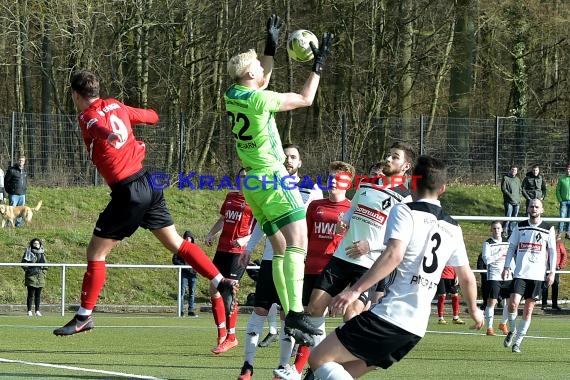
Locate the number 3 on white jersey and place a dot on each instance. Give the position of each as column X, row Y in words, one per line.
column 119, row 128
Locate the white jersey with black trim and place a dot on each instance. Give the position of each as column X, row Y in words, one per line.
column 531, row 245
column 366, row 221
column 308, row 195
column 494, row 255
column 433, row 240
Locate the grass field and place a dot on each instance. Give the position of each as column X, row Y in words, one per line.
column 166, row 347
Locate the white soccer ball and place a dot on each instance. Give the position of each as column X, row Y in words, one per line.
column 298, row 46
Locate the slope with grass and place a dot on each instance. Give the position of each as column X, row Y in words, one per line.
column 66, row 220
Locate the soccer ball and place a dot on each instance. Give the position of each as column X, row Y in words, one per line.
column 298, row 46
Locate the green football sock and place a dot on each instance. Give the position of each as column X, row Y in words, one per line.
column 294, row 268
column 279, row 281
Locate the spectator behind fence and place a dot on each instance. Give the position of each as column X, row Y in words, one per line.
column 563, row 197
column 561, row 259
column 35, row 276
column 16, row 184
column 533, row 186
column 188, row 280
column 511, row 189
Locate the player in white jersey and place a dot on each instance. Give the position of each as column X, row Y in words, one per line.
column 363, row 242
column 494, row 254
column 535, row 244
column 265, row 292
column 420, row 240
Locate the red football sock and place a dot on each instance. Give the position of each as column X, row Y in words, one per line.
column 232, row 323
column 441, row 305
column 198, row 259
column 455, row 304
column 302, row 357
column 219, row 316
column 93, row 281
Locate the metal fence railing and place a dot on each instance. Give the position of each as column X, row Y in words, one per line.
column 476, row 150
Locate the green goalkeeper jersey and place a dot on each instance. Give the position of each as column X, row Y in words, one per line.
column 251, row 116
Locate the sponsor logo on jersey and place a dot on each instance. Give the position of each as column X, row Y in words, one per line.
column 369, row 213
column 324, row 228
column 232, row 215
column 535, row 247
column 423, row 281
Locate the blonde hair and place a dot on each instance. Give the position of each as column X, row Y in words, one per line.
column 238, row 64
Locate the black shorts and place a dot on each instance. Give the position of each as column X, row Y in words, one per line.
column 447, row 285
column 499, row 288
column 308, row 286
column 134, row 203
column 527, row 288
column 375, row 341
column 337, row 275
column 228, row 265
column 265, row 292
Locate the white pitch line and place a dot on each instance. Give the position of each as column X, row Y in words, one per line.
column 98, row 371
column 481, row 334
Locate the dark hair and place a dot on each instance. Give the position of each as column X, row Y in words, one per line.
column 377, row 168
column 188, row 235
column 35, row 239
column 431, row 174
column 241, row 170
column 85, row 83
column 291, row 145
column 408, row 150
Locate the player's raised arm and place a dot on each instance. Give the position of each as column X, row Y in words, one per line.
column 273, row 27
column 293, row 100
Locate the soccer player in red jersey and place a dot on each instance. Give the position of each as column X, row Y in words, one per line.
column 448, row 284
column 116, row 153
column 323, row 240
column 236, row 223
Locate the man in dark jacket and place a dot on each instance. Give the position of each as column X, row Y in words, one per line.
column 533, row 186
column 15, row 184
column 511, row 189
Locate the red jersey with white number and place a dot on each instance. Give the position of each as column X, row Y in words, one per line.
column 322, row 217
column 103, row 117
column 238, row 222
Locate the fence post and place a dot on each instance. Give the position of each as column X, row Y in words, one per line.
column 422, row 121
column 496, row 150
column 343, row 138
column 13, row 138
column 181, row 142
column 63, row 280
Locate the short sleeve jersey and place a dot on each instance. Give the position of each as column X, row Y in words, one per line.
column 368, row 214
column 494, row 255
column 322, row 217
column 103, row 117
column 432, row 240
column 533, row 244
column 238, row 222
column 251, row 116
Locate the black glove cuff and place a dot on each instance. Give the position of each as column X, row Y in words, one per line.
column 317, row 67
column 270, row 47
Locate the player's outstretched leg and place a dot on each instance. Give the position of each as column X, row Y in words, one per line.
column 79, row 323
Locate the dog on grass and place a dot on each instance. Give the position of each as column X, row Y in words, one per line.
column 11, row 213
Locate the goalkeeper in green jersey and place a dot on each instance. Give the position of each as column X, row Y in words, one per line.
column 275, row 204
